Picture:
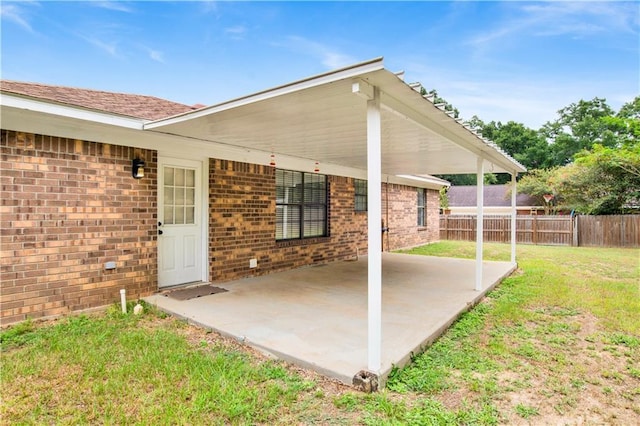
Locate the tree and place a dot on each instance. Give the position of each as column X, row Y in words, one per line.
column 525, row 145
column 469, row 179
column 540, row 182
column 630, row 109
column 578, row 127
column 604, row 180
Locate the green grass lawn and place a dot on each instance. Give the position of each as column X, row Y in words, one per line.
column 557, row 342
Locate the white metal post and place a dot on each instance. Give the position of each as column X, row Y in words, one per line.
column 479, row 221
column 374, row 217
column 514, row 193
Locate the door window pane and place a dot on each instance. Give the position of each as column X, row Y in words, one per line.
column 179, row 196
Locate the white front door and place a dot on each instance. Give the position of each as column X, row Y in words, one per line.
column 179, row 222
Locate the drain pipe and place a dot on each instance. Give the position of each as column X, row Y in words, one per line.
column 123, row 300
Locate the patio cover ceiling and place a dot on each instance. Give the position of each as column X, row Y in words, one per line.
column 324, row 118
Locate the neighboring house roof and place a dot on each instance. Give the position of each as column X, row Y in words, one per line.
column 494, row 196
column 137, row 106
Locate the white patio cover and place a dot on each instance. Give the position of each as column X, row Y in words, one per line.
column 361, row 117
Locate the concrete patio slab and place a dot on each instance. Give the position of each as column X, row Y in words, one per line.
column 316, row 316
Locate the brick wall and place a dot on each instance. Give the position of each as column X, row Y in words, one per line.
column 402, row 217
column 68, row 207
column 242, row 222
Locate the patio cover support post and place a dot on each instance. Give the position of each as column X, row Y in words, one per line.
column 374, row 237
column 479, row 221
column 514, row 193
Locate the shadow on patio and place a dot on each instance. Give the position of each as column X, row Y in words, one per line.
column 316, row 317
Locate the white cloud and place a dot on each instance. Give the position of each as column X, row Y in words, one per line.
column 156, row 55
column 118, row 6
column 15, row 14
column 329, row 57
column 577, row 19
column 109, row 47
column 237, row 32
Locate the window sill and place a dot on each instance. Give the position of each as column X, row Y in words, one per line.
column 302, row 241
column 422, row 228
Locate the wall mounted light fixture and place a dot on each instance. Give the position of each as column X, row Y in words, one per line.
column 137, row 168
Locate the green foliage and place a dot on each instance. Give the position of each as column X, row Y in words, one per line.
column 538, row 183
column 630, row 109
column 444, row 198
column 604, row 180
column 522, row 143
column 578, row 127
column 470, row 179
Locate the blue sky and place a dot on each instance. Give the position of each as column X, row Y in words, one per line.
column 501, row 61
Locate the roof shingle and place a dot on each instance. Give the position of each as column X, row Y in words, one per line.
column 137, row 106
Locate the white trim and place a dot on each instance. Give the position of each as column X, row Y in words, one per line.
column 479, row 222
column 202, row 164
column 374, row 235
column 514, row 193
column 74, row 112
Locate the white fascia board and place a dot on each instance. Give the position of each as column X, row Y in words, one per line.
column 29, row 104
column 326, row 78
column 458, row 134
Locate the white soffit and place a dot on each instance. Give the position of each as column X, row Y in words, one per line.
column 321, row 119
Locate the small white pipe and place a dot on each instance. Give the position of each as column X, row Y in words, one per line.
column 123, row 300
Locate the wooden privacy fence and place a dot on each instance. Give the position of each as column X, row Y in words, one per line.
column 608, row 231
column 600, row 231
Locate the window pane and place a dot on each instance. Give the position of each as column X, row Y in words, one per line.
column 314, row 188
column 190, row 197
column 190, row 217
column 190, row 178
column 179, row 177
column 288, row 187
column 168, row 215
column 314, row 221
column 179, row 217
column 287, row 222
column 168, row 195
column 420, row 197
column 168, row 175
column 179, row 196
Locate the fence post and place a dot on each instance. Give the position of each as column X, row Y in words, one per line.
column 574, row 220
column 534, row 228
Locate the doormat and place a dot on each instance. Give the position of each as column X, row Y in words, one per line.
column 193, row 292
